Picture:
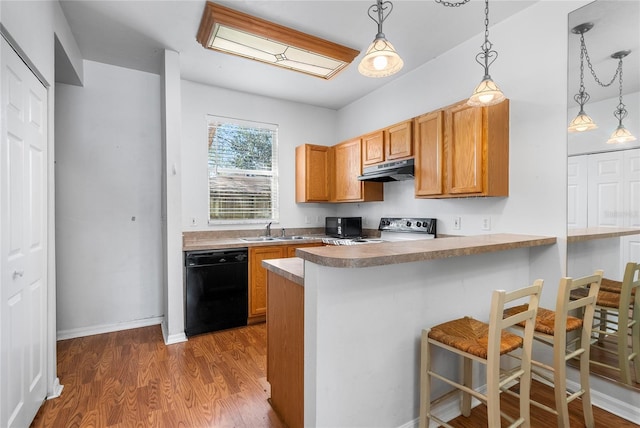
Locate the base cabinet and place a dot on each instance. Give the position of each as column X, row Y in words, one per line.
column 285, row 349
column 258, row 275
column 258, row 279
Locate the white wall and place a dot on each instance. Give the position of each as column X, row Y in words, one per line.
column 108, row 186
column 298, row 124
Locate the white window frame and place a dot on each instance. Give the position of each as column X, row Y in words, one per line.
column 275, row 208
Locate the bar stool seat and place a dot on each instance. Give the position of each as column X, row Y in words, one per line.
column 472, row 336
column 484, row 343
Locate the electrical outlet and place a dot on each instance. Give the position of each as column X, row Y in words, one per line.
column 457, row 223
column 486, row 223
column 306, row 219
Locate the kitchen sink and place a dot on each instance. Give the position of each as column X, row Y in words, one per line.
column 271, row 238
column 259, row 239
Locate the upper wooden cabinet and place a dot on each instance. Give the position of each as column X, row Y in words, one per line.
column 348, row 166
column 373, row 148
column 313, row 173
column 394, row 142
column 429, row 154
column 398, row 141
column 463, row 151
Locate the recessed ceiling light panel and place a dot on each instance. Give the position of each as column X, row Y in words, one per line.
column 229, row 31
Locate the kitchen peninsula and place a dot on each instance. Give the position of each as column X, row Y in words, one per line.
column 344, row 322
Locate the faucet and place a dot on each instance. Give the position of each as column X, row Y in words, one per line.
column 268, row 230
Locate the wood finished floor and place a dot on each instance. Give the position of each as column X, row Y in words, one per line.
column 131, row 379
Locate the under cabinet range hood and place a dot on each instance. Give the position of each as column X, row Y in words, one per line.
column 388, row 171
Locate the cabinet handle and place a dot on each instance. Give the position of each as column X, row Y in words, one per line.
column 18, row 274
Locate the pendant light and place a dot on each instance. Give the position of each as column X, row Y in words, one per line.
column 381, row 59
column 621, row 134
column 583, row 121
column 487, row 92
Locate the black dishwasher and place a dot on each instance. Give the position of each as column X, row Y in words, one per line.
column 216, row 290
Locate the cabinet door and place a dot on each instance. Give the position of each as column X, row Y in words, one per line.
column 312, row 173
column 258, row 277
column 429, row 141
column 464, row 147
column 347, row 169
column 373, row 148
column 399, row 141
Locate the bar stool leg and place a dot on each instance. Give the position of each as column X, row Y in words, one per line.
column 587, row 410
column 425, row 381
column 493, row 392
column 467, row 373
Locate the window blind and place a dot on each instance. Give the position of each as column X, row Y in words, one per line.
column 243, row 170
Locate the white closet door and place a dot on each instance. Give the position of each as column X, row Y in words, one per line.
column 577, row 192
column 606, row 190
column 630, row 250
column 23, row 246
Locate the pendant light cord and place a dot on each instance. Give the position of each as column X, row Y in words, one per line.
column 620, row 112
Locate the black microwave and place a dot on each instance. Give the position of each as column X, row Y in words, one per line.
column 343, row 227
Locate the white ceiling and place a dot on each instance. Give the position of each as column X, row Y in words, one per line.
column 134, row 34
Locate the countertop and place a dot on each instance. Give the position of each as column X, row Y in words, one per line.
column 368, row 255
column 291, row 268
column 222, row 243
column 591, row 233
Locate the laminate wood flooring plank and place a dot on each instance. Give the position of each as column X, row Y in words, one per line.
column 132, row 379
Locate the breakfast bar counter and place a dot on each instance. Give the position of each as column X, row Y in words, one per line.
column 369, row 255
column 344, row 322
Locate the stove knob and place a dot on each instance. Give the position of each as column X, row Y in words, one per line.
column 418, row 224
column 408, row 224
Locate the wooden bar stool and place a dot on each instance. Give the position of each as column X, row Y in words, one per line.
column 618, row 318
column 552, row 329
column 485, row 343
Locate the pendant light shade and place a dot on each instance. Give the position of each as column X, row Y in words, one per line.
column 486, row 93
column 381, row 59
column 581, row 123
column 621, row 135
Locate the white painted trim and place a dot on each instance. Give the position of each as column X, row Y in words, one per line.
column 173, row 338
column 107, row 328
column 447, row 409
column 56, row 389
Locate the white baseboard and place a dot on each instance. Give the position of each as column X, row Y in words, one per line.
column 56, row 389
column 107, row 328
column 170, row 339
column 447, row 409
column 612, row 405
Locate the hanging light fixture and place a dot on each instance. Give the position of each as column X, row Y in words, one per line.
column 381, row 59
column 583, row 121
column 487, row 92
column 621, row 134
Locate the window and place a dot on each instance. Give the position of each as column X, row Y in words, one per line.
column 243, row 171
